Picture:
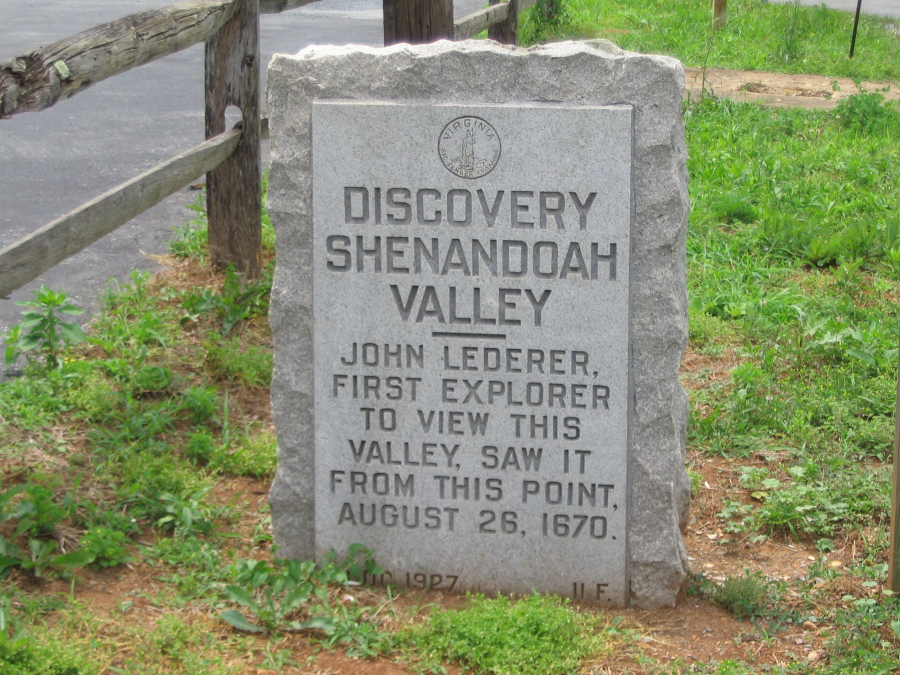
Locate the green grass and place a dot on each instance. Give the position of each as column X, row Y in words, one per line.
column 25, row 656
column 122, row 439
column 774, row 37
column 793, row 274
column 805, row 292
column 537, row 635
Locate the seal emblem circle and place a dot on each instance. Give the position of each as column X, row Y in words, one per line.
column 469, row 147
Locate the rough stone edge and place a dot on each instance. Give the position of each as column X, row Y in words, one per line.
column 574, row 72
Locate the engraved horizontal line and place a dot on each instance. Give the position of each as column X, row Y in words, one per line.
column 477, row 336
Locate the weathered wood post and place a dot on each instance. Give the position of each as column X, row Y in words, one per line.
column 894, row 573
column 417, row 21
column 720, row 14
column 507, row 31
column 233, row 188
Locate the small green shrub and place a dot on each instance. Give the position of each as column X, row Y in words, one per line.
column 537, row 635
column 191, row 240
column 96, row 515
column 143, row 478
column 268, row 231
column 200, row 447
column 293, row 595
column 93, row 395
column 732, row 208
column 152, row 379
column 745, row 596
column 30, row 403
column 202, row 404
column 255, row 455
column 867, row 630
column 38, row 512
column 251, row 366
column 109, row 547
column 710, row 334
column 696, row 481
column 189, row 514
column 42, row 330
column 239, row 299
column 866, row 112
column 26, row 656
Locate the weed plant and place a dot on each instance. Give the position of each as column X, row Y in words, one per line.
column 24, row 656
column 774, row 37
column 294, row 596
column 745, row 596
column 191, row 240
column 42, row 332
column 536, row 635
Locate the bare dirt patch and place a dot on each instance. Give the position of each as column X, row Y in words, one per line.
column 699, row 370
column 781, row 90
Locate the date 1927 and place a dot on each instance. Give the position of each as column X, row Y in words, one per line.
column 416, row 580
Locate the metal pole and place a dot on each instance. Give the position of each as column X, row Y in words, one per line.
column 855, row 27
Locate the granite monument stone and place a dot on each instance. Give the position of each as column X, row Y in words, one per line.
column 479, row 312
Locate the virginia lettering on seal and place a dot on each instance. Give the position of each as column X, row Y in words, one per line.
column 469, row 147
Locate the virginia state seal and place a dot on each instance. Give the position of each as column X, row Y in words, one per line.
column 469, row 147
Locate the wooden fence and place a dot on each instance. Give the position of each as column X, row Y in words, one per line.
column 230, row 158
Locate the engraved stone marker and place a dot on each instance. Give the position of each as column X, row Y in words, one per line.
column 479, row 313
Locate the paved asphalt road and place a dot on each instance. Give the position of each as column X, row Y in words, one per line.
column 53, row 161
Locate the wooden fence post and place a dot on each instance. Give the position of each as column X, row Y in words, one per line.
column 234, row 199
column 417, row 21
column 507, row 31
column 894, row 558
column 720, row 14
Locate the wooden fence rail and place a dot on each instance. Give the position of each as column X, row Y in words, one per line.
column 58, row 71
column 496, row 18
column 478, row 21
column 35, row 254
column 230, row 28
